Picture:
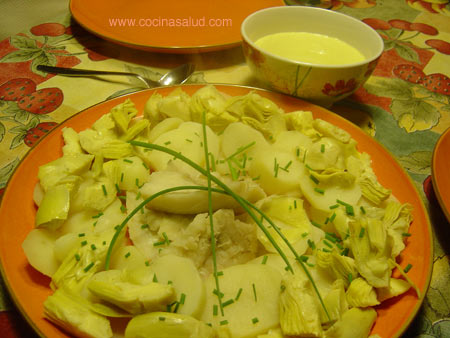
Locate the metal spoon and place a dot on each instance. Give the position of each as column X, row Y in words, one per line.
column 177, row 75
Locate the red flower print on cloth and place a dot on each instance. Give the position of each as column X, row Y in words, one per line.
column 48, row 29
column 341, row 87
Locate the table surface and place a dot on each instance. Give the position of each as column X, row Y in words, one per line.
column 406, row 116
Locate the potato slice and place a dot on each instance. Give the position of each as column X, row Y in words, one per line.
column 183, row 275
column 38, row 247
column 253, row 292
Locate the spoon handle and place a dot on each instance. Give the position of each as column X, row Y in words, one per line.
column 83, row 72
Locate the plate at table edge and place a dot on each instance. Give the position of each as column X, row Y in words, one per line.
column 29, row 288
column 440, row 168
column 224, row 40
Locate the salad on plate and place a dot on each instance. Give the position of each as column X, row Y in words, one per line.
column 211, row 215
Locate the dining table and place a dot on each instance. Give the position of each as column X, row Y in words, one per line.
column 404, row 105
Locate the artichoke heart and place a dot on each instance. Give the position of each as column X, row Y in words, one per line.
column 361, row 294
column 68, row 312
column 131, row 297
column 299, row 309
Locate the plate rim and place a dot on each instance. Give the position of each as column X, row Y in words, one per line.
column 163, row 49
column 435, row 175
column 428, row 226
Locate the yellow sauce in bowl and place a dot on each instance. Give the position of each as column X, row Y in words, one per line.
column 310, row 48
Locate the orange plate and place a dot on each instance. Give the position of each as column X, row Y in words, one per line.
column 29, row 288
column 180, row 26
column 440, row 172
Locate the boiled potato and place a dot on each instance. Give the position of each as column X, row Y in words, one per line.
column 38, row 247
column 276, row 172
column 238, row 135
column 187, row 139
column 183, row 275
column 65, row 244
column 127, row 257
column 252, row 311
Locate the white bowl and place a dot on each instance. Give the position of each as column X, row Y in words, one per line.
column 321, row 84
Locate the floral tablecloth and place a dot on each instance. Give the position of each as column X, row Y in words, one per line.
column 405, row 105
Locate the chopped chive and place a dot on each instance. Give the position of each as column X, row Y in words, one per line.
column 98, row 215
column 145, row 165
column 330, row 237
column 188, row 140
column 93, row 247
column 84, row 243
column 128, row 254
column 322, row 148
column 264, row 260
column 255, row 320
column 314, row 179
column 304, row 157
column 345, row 252
column 406, row 234
column 182, row 298
column 218, row 294
column 167, row 143
column 87, row 268
column 304, row 258
column 320, row 191
column 339, row 246
column 326, row 250
column 169, row 282
column 361, row 232
column 311, row 244
column 333, row 217
column 215, row 310
column 123, row 208
column 254, row 292
column 177, row 305
column 104, row 190
column 407, row 268
column 145, row 226
column 138, row 195
column 224, row 322
column 334, row 206
column 349, row 210
column 304, row 234
column 82, row 234
column 147, row 263
column 309, row 168
column 121, row 177
column 328, row 244
column 219, row 273
column 77, row 257
column 228, row 302
column 362, row 209
column 238, row 294
column 350, row 277
column 159, row 243
column 155, row 279
column 317, row 225
column 123, row 198
column 117, row 188
column 297, row 151
column 287, row 166
column 162, row 318
column 295, row 204
column 127, row 160
column 275, row 167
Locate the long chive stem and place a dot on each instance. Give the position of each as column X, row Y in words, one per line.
column 210, row 212
column 244, row 203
